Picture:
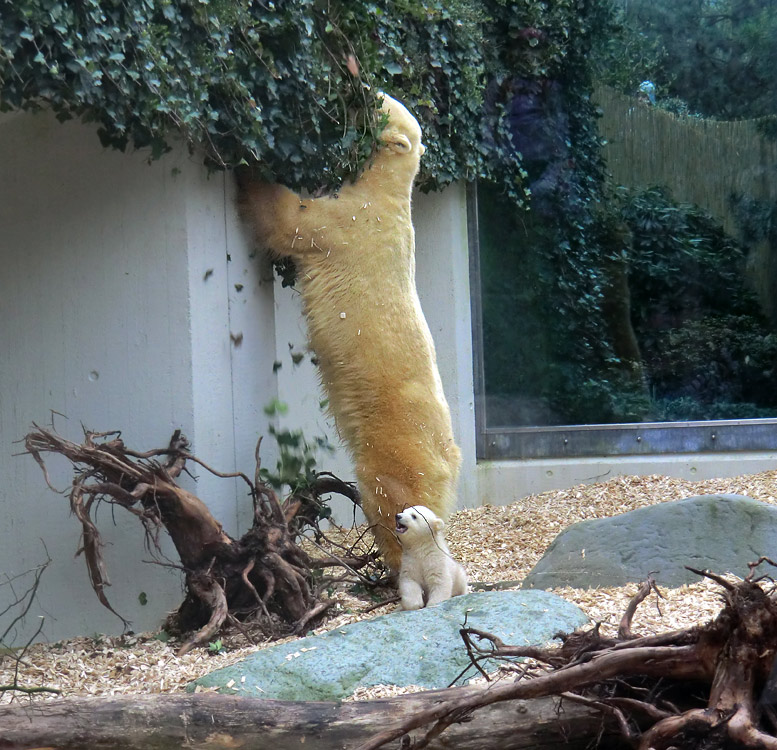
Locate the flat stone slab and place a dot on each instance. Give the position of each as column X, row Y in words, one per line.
column 720, row 532
column 421, row 647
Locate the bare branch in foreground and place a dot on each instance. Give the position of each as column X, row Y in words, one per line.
column 715, row 675
column 16, row 611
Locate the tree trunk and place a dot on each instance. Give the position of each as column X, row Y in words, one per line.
column 212, row 721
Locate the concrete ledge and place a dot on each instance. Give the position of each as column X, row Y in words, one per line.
column 503, row 482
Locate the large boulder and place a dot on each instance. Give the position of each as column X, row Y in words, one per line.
column 719, row 532
column 421, row 647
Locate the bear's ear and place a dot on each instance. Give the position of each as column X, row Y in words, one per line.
column 438, row 524
column 398, row 142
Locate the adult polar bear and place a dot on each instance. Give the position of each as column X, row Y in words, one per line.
column 355, row 255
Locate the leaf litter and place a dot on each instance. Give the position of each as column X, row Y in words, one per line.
column 498, row 545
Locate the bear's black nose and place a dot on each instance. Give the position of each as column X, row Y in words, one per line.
column 397, row 516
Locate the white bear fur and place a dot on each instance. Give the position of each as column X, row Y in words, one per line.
column 355, row 256
column 428, row 574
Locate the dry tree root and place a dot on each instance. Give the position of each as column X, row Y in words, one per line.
column 265, row 576
column 703, row 688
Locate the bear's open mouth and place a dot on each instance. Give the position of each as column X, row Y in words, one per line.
column 401, row 528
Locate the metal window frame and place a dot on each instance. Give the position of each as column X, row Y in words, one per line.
column 579, row 441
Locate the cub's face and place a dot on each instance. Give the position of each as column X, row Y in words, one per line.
column 417, row 522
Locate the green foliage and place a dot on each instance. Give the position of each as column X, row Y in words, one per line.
column 714, row 56
column 544, row 339
column 705, row 349
column 562, row 350
column 756, row 219
column 248, row 82
column 550, row 303
column 716, row 367
column 291, row 87
column 547, row 343
column 626, row 56
column 709, row 352
column 216, row 647
column 682, row 261
column 298, row 456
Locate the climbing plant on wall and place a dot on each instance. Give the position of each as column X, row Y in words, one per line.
column 292, row 85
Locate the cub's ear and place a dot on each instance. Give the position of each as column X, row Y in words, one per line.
column 398, row 142
column 438, row 524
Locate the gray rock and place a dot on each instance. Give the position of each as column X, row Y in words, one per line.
column 402, row 648
column 719, row 532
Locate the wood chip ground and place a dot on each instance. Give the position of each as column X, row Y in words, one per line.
column 494, row 543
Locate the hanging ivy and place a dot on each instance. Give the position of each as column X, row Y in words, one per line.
column 291, row 86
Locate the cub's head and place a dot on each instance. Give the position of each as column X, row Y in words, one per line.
column 402, row 135
column 416, row 523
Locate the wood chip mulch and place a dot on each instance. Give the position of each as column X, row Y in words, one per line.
column 494, row 543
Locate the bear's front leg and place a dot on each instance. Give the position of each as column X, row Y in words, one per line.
column 411, row 593
column 441, row 591
column 283, row 222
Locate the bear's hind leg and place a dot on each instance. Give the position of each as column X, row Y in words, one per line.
column 459, row 581
column 388, row 546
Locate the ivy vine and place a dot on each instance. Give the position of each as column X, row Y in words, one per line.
column 292, row 86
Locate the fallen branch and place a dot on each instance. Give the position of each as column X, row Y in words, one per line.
column 16, row 610
column 221, row 722
column 719, row 673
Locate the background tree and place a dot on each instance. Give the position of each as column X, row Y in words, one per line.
column 715, row 56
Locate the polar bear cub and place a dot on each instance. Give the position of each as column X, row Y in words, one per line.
column 427, row 572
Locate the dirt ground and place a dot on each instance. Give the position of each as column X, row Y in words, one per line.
column 494, row 543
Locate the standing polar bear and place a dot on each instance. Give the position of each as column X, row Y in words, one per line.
column 355, row 256
column 428, row 574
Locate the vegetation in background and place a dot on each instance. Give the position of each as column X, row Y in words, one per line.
column 631, row 306
column 714, row 58
column 703, row 347
column 288, row 87
column 710, row 351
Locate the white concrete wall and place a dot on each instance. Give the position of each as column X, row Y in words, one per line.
column 299, row 388
column 442, row 279
column 117, row 301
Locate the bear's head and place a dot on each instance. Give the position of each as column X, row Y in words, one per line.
column 402, row 134
column 416, row 523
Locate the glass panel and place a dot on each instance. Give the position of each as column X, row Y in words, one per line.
column 665, row 315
